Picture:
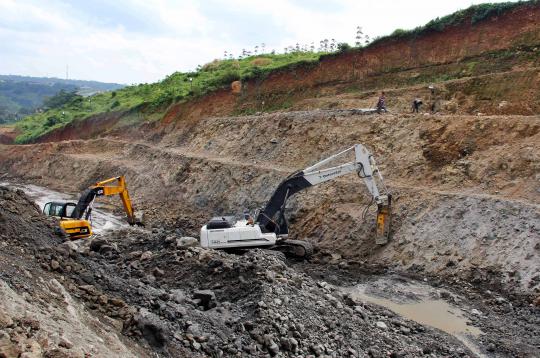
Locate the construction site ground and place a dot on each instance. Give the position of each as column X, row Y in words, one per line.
column 460, row 276
column 466, row 222
column 141, row 292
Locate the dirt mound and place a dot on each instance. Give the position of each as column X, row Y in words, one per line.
column 38, row 316
column 182, row 300
column 7, row 135
column 21, row 220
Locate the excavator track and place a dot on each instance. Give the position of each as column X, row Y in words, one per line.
column 297, row 248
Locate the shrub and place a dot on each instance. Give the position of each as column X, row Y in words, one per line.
column 399, row 33
column 51, row 121
column 61, row 98
column 485, row 11
column 211, row 66
column 343, row 47
column 225, row 78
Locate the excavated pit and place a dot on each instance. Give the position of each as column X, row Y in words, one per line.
column 466, row 225
column 474, row 238
column 460, row 212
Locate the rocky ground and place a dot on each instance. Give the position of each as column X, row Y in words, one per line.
column 465, row 228
column 39, row 317
column 465, row 188
column 148, row 292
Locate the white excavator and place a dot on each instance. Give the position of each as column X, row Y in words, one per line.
column 270, row 228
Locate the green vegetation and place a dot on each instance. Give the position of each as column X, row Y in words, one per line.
column 157, row 96
column 23, row 95
column 474, row 14
column 19, row 99
column 61, row 98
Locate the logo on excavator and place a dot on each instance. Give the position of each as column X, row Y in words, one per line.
column 329, row 174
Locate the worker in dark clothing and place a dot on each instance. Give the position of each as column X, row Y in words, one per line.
column 432, row 98
column 416, row 104
column 381, row 103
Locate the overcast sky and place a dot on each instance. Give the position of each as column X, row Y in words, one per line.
column 132, row 41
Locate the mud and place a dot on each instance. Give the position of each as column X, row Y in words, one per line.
column 490, row 324
column 103, row 216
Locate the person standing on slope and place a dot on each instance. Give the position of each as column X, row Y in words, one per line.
column 381, row 103
column 432, row 98
column 416, row 104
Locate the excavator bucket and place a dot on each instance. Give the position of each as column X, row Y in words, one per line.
column 139, row 218
column 384, row 220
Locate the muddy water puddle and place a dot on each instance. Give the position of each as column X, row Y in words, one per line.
column 102, row 217
column 420, row 303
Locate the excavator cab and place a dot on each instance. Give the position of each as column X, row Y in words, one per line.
column 74, row 228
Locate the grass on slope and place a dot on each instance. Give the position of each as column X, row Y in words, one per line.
column 476, row 14
column 177, row 87
column 158, row 96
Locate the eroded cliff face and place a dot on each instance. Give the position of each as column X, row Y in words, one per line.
column 455, row 43
column 488, row 67
column 465, row 187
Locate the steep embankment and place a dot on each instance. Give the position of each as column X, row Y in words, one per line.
column 466, row 199
column 488, row 66
column 38, row 316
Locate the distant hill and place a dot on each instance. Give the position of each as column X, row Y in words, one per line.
column 23, row 95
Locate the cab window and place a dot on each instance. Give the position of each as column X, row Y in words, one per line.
column 69, row 209
column 53, row 209
column 57, row 209
column 47, row 209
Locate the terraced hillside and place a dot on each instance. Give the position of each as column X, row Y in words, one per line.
column 465, row 177
column 486, row 55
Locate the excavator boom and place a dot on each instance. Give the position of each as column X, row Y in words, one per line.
column 121, row 189
column 272, row 218
column 77, row 222
column 270, row 228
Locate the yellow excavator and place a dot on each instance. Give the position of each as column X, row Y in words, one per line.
column 75, row 219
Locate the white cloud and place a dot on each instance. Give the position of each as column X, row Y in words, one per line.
column 40, row 37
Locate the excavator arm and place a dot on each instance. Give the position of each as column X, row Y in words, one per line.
column 104, row 188
column 121, row 189
column 272, row 218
